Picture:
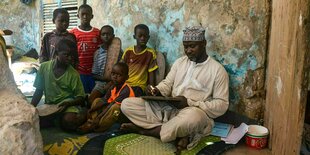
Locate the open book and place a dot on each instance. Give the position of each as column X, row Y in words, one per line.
column 221, row 129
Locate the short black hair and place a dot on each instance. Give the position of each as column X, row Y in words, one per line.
column 85, row 6
column 143, row 27
column 58, row 11
column 65, row 45
column 107, row 26
column 124, row 67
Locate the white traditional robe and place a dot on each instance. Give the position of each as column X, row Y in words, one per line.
column 205, row 85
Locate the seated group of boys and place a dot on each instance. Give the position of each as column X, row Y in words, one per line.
column 72, row 65
column 87, row 60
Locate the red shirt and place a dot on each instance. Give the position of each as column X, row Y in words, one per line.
column 88, row 42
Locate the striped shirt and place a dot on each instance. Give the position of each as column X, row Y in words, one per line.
column 88, row 42
column 100, row 59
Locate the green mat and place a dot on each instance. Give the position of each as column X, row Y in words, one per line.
column 142, row 145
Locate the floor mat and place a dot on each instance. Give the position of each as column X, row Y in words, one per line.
column 134, row 144
column 108, row 143
column 58, row 142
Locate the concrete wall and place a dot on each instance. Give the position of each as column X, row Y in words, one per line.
column 236, row 35
column 23, row 20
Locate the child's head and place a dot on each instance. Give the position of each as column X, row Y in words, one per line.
column 119, row 73
column 63, row 51
column 61, row 19
column 107, row 34
column 142, row 34
column 85, row 14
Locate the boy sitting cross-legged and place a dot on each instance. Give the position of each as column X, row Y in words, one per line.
column 104, row 112
column 62, row 86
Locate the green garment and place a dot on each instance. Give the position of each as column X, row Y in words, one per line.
column 68, row 85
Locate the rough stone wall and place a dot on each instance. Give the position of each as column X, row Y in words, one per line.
column 236, row 35
column 19, row 121
column 23, row 20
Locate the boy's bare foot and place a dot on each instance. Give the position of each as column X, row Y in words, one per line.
column 181, row 144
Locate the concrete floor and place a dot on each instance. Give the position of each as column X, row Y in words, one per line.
column 242, row 149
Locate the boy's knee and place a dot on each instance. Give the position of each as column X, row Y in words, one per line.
column 71, row 121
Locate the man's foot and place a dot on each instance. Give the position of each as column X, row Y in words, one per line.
column 148, row 132
column 130, row 127
column 181, row 144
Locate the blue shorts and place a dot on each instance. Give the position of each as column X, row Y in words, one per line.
column 88, row 82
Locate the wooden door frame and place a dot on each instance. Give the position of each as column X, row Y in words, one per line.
column 286, row 85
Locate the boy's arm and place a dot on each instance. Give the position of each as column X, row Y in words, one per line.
column 44, row 49
column 37, row 97
column 77, row 101
column 75, row 55
column 98, row 105
column 152, row 67
column 151, row 79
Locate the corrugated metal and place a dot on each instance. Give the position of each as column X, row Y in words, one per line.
column 49, row 7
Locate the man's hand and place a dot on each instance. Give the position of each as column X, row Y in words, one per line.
column 182, row 103
column 152, row 90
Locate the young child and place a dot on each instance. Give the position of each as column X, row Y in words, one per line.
column 88, row 41
column 61, row 84
column 141, row 61
column 104, row 112
column 105, row 57
column 61, row 21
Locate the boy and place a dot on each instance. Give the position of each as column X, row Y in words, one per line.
column 88, row 41
column 105, row 57
column 61, row 21
column 141, row 61
column 61, row 84
column 104, row 112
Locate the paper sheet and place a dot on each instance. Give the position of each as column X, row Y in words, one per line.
column 236, row 134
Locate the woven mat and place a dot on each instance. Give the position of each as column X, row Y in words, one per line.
column 58, row 142
column 134, row 144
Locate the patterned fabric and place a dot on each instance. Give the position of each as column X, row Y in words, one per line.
column 48, row 46
column 142, row 145
column 63, row 143
column 88, row 42
column 195, row 33
column 100, row 59
column 140, row 64
column 55, row 89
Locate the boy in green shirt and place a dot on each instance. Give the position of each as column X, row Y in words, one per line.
column 62, row 86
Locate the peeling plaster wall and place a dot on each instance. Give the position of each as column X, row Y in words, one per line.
column 23, row 20
column 236, row 35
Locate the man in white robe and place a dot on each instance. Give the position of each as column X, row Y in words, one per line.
column 201, row 85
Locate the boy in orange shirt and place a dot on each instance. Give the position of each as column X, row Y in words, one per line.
column 104, row 112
